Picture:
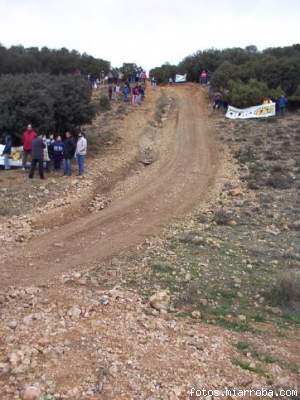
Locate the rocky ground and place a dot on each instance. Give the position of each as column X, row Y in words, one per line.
column 212, row 302
column 235, row 250
column 31, row 207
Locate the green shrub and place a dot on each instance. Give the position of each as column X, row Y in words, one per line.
column 48, row 102
column 224, row 75
column 249, row 94
column 280, row 180
column 223, row 216
column 163, row 73
column 286, row 291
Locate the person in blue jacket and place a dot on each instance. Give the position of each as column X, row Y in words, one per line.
column 282, row 103
column 126, row 92
column 7, row 150
column 58, row 153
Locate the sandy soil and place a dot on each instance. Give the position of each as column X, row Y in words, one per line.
column 185, row 171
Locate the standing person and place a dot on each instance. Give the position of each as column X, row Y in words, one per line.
column 102, row 76
column 139, row 97
column 28, row 136
column 81, row 150
column 110, row 77
column 110, row 92
column 133, row 96
column 217, row 101
column 203, row 77
column 46, row 158
column 135, row 93
column 143, row 76
column 282, row 103
column 142, row 92
column 126, row 92
column 117, row 91
column 153, row 82
column 37, row 156
column 69, row 152
column 7, row 150
column 50, row 143
column 58, row 153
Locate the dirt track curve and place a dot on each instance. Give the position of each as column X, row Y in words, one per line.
column 183, row 176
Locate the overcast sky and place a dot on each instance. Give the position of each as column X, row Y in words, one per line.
column 148, row 32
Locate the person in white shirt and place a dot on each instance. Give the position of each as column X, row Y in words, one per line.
column 81, row 150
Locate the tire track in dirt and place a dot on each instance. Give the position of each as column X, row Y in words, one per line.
column 181, row 178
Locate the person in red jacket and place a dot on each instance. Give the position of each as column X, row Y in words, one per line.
column 203, row 77
column 28, row 136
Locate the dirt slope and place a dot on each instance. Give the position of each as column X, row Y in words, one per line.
column 186, row 169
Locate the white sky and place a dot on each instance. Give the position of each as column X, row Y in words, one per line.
column 148, row 32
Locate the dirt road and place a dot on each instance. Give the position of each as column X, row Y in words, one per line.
column 182, row 177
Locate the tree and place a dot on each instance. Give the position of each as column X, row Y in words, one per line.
column 251, row 49
column 223, row 75
column 49, row 103
column 163, row 73
column 249, row 94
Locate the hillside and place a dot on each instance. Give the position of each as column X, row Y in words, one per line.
column 143, row 282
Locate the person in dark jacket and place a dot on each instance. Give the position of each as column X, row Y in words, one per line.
column 69, row 153
column 37, row 154
column 58, row 153
column 110, row 92
column 7, row 150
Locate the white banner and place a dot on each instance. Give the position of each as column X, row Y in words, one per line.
column 15, row 159
column 180, row 78
column 262, row 111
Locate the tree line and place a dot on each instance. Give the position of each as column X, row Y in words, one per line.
column 17, row 60
column 243, row 76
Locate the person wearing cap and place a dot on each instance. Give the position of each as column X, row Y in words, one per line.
column 81, row 150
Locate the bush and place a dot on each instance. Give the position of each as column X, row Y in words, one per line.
column 280, row 180
column 163, row 73
column 287, row 290
column 249, row 94
column 224, row 75
column 50, row 103
column 223, row 216
column 246, row 154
